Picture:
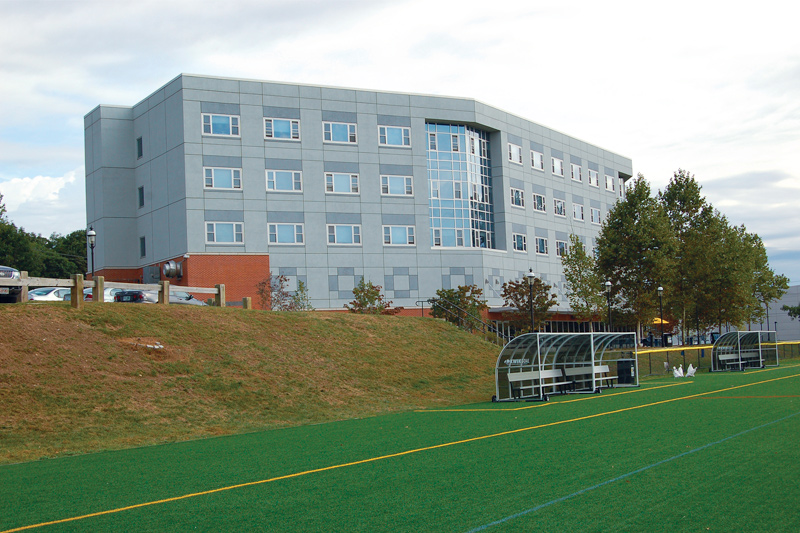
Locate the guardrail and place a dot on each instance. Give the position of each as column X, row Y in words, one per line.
column 98, row 285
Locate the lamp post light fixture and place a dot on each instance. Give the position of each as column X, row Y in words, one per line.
column 531, row 277
column 608, row 298
column 661, row 312
column 91, row 238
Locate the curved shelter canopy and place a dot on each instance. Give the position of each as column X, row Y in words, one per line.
column 738, row 350
column 537, row 364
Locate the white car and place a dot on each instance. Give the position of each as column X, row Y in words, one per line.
column 48, row 294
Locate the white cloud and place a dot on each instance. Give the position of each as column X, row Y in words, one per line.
column 45, row 204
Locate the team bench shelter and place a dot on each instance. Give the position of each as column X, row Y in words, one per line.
column 739, row 350
column 537, row 365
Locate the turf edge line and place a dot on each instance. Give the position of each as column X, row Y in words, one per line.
column 623, row 476
column 380, row 458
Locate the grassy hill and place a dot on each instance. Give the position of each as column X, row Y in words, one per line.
column 78, row 381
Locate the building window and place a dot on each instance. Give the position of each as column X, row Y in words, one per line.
column 558, row 167
column 141, row 196
column 432, row 141
column 139, row 148
column 561, row 248
column 337, row 183
column 224, row 232
column 539, row 203
column 560, row 207
column 594, row 178
column 282, row 128
column 454, row 142
column 285, row 233
column 577, row 211
column 225, row 125
column 515, row 153
column 594, row 215
column 621, row 188
column 339, row 132
column 284, row 180
column 398, row 235
column 394, row 136
column 344, row 234
column 609, row 183
column 223, row 178
column 537, row 160
column 541, row 246
column 576, row 172
column 142, row 247
column 517, row 198
column 520, row 242
column 397, row 186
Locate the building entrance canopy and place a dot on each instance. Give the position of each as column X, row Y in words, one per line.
column 579, row 362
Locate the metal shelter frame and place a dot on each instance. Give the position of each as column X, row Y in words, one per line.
column 571, row 353
column 738, row 350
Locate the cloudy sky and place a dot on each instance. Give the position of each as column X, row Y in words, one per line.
column 708, row 86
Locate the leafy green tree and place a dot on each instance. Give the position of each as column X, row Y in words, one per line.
column 461, row 306
column 793, row 310
column 636, row 252
column 584, row 284
column 517, row 294
column 300, row 300
column 369, row 300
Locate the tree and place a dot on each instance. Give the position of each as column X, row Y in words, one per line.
column 517, row 294
column 369, row 300
column 461, row 306
column 636, row 251
column 794, row 311
column 273, row 294
column 584, row 285
column 300, row 299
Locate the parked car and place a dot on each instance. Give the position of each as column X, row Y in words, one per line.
column 182, row 297
column 49, row 294
column 9, row 273
column 151, row 297
column 87, row 295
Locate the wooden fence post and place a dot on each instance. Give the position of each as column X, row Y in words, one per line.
column 23, row 295
column 99, row 289
column 219, row 298
column 76, row 293
column 163, row 292
column 247, row 302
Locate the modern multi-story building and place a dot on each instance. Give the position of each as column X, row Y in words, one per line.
column 235, row 178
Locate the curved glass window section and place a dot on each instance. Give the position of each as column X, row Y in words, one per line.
column 460, row 187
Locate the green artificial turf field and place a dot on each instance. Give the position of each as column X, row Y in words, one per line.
column 716, row 452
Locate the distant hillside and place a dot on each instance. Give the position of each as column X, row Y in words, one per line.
column 77, row 381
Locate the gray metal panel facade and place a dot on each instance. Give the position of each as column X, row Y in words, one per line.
column 178, row 204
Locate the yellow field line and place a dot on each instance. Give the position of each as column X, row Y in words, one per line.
column 500, row 410
column 383, row 457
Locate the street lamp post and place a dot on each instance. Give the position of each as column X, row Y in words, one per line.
column 608, row 298
column 661, row 312
column 91, row 238
column 531, row 277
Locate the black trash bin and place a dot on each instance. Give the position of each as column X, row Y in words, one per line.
column 626, row 371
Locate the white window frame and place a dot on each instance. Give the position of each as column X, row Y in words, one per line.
column 537, row 160
column 560, row 170
column 577, row 209
column 515, row 153
column 353, row 181
column 539, row 242
column 575, row 172
column 296, row 178
column 213, row 186
column 520, row 197
column 238, row 231
column 388, row 234
column 594, row 215
column 405, row 134
column 558, row 202
column 539, row 203
column 408, row 185
column 294, row 129
column 234, row 125
column 524, row 241
column 352, row 132
column 594, row 178
column 355, row 232
column 298, row 232
column 609, row 180
column 561, row 248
